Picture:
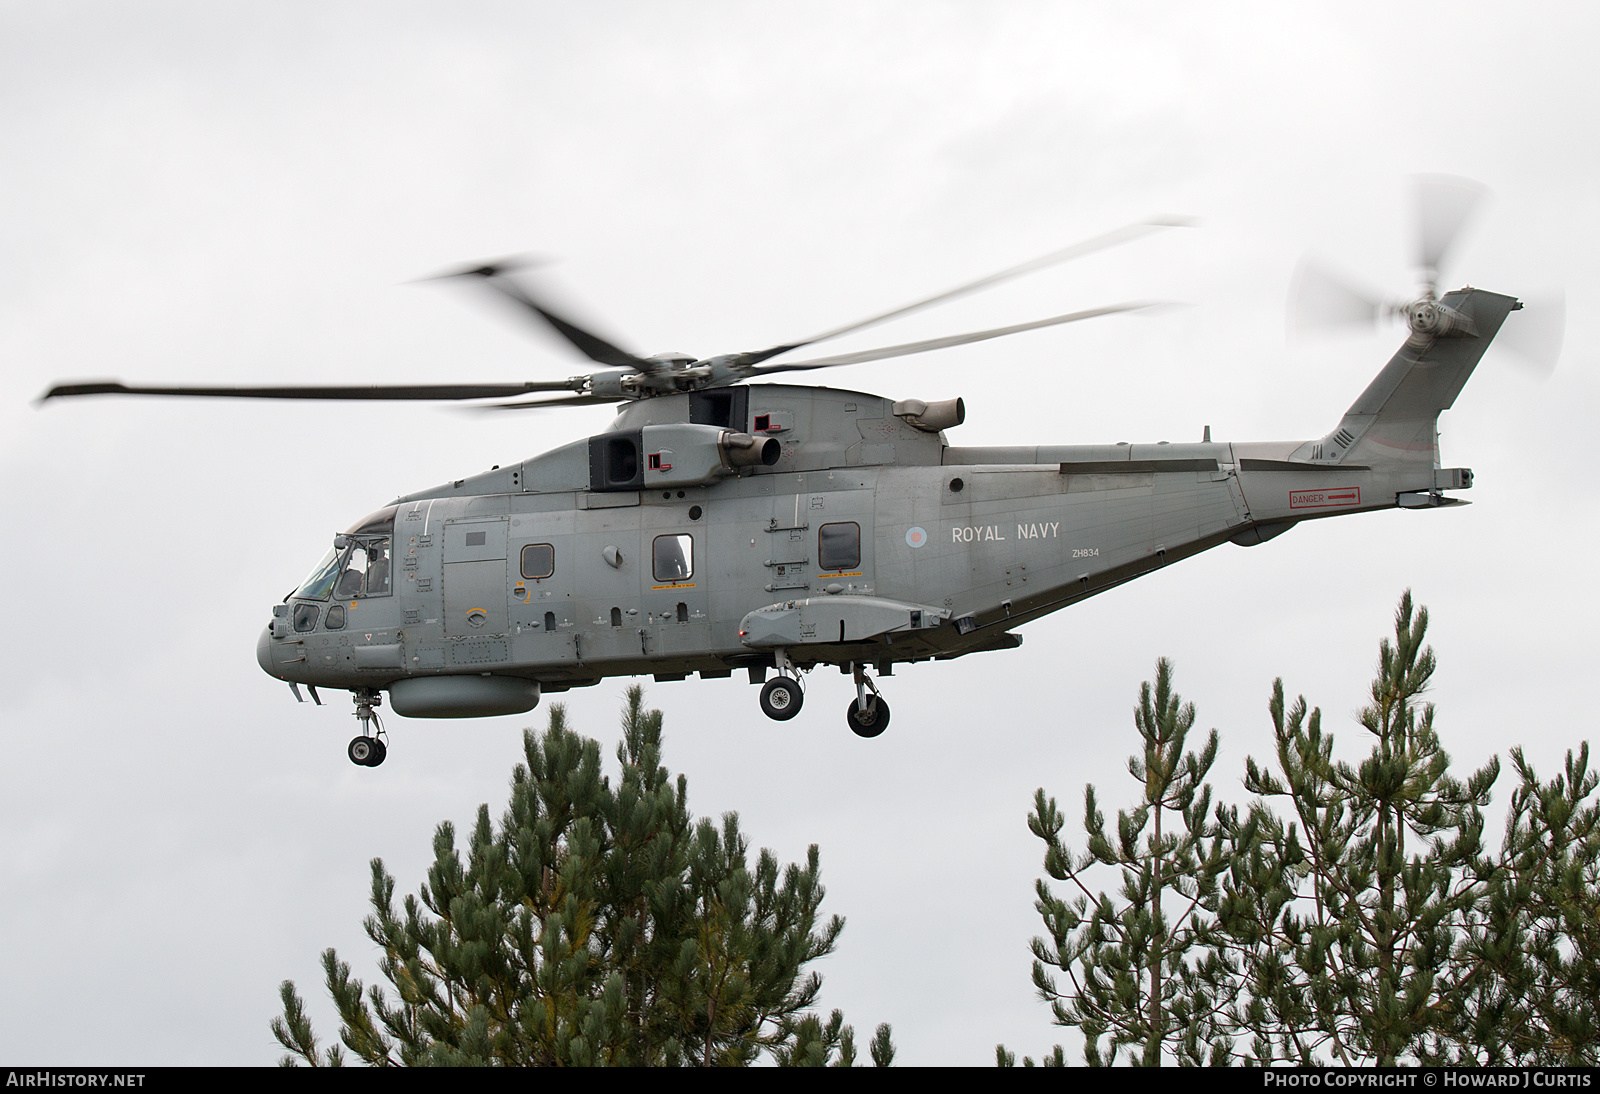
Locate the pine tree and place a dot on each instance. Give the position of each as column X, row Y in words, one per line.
column 1288, row 1005
column 594, row 925
column 1393, row 865
column 1534, row 941
column 1351, row 914
column 1140, row 967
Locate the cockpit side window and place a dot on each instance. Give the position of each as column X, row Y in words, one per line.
column 359, row 564
column 366, row 568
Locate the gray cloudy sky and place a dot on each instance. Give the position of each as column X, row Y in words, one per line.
column 235, row 193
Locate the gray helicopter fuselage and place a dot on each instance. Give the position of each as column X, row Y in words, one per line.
column 869, row 539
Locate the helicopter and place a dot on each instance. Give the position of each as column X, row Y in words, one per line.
column 723, row 524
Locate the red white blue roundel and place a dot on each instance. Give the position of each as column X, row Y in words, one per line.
column 916, row 537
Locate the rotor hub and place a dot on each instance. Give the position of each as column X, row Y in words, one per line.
column 1428, row 318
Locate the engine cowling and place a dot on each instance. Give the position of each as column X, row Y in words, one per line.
column 931, row 417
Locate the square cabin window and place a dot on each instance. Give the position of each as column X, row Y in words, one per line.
column 839, row 546
column 538, row 560
column 674, row 558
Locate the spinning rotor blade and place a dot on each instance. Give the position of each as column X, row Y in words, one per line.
column 1099, row 243
column 497, row 275
column 1535, row 333
column 1319, row 301
column 374, row 391
column 559, row 400
column 1444, row 204
column 951, row 340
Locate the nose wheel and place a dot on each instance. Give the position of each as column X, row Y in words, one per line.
column 368, row 749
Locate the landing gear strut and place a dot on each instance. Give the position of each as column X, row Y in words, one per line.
column 868, row 714
column 367, row 750
column 781, row 698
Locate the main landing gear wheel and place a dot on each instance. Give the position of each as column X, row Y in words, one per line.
column 366, row 751
column 781, row 698
column 871, row 723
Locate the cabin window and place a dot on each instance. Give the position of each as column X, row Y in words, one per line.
column 335, row 619
column 674, row 558
column 839, row 546
column 538, row 561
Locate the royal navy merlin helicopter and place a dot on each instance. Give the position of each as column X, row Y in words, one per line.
column 721, row 525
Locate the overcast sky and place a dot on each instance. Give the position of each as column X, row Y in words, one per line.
column 229, row 193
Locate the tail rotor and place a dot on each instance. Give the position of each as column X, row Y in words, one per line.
column 1322, row 302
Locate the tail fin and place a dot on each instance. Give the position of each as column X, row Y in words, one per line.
column 1395, row 419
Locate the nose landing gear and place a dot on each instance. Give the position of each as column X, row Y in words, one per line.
column 868, row 713
column 368, row 749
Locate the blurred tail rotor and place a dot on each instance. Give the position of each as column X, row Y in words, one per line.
column 1535, row 332
column 1444, row 204
column 1320, row 301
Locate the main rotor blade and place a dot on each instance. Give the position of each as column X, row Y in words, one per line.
column 374, row 391
column 1535, row 333
column 560, row 400
column 497, row 275
column 1444, row 204
column 1125, row 234
column 951, row 340
column 1320, row 301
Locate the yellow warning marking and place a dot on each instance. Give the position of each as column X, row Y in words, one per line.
column 690, row 585
column 858, row 573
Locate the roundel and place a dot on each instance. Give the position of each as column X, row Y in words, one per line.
column 916, row 537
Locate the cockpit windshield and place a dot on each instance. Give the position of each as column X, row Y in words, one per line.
column 358, row 565
column 320, row 582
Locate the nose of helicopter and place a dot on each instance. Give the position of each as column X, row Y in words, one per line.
column 264, row 651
